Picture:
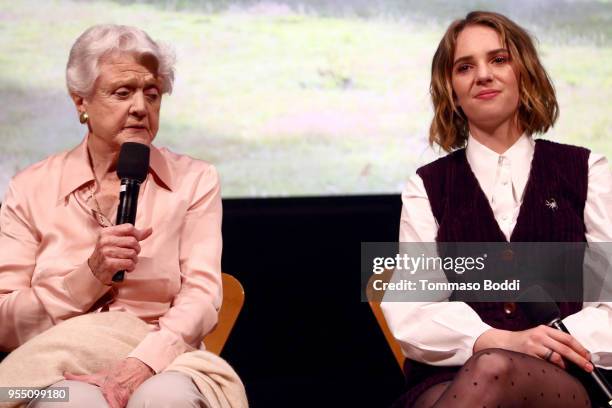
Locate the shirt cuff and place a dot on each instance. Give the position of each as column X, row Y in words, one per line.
column 464, row 331
column 159, row 348
column 591, row 327
column 84, row 288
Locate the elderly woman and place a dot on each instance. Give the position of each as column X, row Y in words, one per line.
column 60, row 248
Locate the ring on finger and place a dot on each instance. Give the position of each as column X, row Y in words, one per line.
column 548, row 355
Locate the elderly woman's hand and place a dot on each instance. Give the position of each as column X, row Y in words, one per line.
column 118, row 382
column 116, row 250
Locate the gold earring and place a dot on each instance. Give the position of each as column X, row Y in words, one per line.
column 83, row 117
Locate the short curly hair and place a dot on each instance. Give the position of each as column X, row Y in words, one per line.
column 538, row 109
column 103, row 40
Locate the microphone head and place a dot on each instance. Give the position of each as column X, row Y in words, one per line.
column 133, row 161
column 539, row 306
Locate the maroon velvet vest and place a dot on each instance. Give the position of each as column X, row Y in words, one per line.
column 463, row 214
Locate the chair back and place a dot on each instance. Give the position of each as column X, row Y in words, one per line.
column 374, row 302
column 233, row 299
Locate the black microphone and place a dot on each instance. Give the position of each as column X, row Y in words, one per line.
column 132, row 169
column 545, row 311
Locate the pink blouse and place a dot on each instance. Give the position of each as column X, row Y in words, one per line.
column 48, row 230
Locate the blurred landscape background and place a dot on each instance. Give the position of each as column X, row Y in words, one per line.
column 293, row 98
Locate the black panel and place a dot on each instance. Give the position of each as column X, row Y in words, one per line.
column 304, row 338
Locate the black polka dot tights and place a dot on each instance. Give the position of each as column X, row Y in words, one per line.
column 496, row 378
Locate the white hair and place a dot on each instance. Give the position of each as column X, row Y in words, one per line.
column 103, row 40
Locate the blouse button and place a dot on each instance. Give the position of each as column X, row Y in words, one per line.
column 509, row 308
column 507, row 255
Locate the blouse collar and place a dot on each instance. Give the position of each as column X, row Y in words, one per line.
column 484, row 162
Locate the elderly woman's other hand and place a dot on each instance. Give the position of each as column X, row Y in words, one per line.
column 119, row 381
column 116, row 250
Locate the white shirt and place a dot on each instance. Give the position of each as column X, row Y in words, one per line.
column 444, row 333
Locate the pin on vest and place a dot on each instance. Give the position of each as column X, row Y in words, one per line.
column 552, row 204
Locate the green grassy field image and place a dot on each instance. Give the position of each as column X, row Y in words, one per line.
column 292, row 98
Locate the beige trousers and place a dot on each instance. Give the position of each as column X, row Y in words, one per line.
column 168, row 389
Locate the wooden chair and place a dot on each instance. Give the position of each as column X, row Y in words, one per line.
column 233, row 299
column 374, row 302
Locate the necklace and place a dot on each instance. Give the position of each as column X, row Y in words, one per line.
column 102, row 219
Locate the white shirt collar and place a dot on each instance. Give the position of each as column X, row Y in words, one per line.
column 484, row 163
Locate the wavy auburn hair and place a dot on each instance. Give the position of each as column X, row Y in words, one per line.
column 538, row 109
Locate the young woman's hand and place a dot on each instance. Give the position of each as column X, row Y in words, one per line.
column 538, row 342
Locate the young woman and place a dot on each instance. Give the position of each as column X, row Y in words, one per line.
column 491, row 94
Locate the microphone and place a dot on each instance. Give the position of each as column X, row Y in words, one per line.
column 132, row 169
column 545, row 311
